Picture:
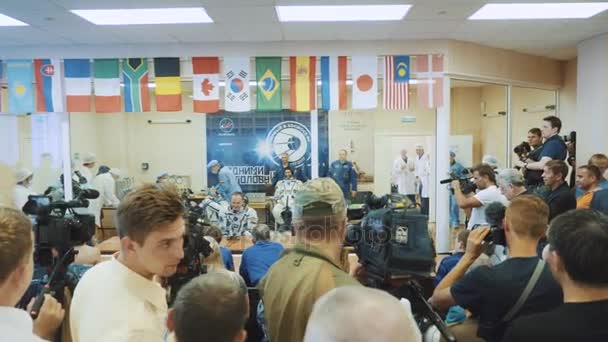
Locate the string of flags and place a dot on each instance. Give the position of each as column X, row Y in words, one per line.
column 77, row 85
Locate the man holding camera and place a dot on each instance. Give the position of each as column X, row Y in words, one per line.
column 485, row 180
column 533, row 178
column 16, row 269
column 284, row 194
column 119, row 300
column 237, row 220
column 520, row 285
column 554, row 147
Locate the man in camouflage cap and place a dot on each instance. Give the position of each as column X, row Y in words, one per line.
column 312, row 268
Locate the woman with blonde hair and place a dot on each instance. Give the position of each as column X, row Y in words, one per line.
column 214, row 261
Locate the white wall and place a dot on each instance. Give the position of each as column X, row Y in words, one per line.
column 567, row 96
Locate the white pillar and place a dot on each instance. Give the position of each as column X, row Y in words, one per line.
column 442, row 212
column 591, row 98
column 314, row 148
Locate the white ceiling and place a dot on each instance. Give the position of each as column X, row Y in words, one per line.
column 256, row 21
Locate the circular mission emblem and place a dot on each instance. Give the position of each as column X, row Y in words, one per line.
column 226, row 125
column 289, row 137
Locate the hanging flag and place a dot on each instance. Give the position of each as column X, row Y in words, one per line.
column 302, row 74
column 77, row 85
column 365, row 82
column 268, row 75
column 107, row 85
column 396, row 82
column 135, row 78
column 168, row 89
column 236, row 72
column 49, row 88
column 20, row 75
column 333, row 83
column 429, row 69
column 206, row 84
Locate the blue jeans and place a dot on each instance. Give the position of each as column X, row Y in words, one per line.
column 454, row 212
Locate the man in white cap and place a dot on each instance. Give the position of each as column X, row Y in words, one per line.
column 86, row 168
column 423, row 175
column 490, row 160
column 23, row 188
column 226, row 182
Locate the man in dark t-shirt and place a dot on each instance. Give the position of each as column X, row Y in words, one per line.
column 491, row 292
column 554, row 147
column 577, row 257
column 559, row 197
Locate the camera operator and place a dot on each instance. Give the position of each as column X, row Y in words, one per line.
column 312, row 268
column 560, row 198
column 16, row 269
column 495, row 294
column 577, row 257
column 485, row 180
column 511, row 183
column 238, row 219
column 533, row 178
column 554, row 147
column 334, row 319
column 284, row 195
column 151, row 228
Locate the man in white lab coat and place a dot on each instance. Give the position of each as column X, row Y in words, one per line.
column 86, row 168
column 23, row 188
column 105, row 183
column 404, row 177
column 423, row 176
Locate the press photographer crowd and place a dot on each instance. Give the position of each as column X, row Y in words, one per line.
column 330, row 263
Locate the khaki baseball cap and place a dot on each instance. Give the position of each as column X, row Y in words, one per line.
column 319, row 197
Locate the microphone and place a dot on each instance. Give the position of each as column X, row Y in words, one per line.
column 495, row 213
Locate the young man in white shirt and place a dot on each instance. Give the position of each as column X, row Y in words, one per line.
column 118, row 300
column 485, row 179
column 16, row 269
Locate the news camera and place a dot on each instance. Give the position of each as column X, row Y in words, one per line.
column 196, row 248
column 466, row 185
column 495, row 214
column 398, row 255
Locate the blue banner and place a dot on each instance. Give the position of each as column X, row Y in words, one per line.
column 20, row 76
column 251, row 144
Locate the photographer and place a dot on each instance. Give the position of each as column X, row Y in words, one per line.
column 238, row 219
column 284, row 194
column 151, row 228
column 559, row 198
column 485, row 180
column 511, row 183
column 16, row 269
column 577, row 257
column 531, row 151
column 554, row 147
column 495, row 294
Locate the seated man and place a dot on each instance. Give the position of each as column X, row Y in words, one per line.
column 258, row 258
column 284, row 194
column 16, row 269
column 238, row 219
column 496, row 294
column 577, row 257
column 343, row 314
column 215, row 232
column 133, row 306
column 447, row 263
column 211, row 307
column 313, row 267
column 279, row 172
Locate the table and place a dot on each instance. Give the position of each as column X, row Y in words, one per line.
column 237, row 245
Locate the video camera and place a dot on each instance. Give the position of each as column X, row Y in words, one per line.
column 196, row 248
column 522, row 150
column 495, row 214
column 394, row 244
column 466, row 185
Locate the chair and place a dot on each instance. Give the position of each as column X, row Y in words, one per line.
column 254, row 332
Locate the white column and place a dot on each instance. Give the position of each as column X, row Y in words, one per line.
column 591, row 98
column 314, row 144
column 66, row 156
column 442, row 212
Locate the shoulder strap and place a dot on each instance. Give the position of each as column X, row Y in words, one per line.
column 527, row 291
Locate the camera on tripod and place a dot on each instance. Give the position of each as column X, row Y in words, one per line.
column 466, row 184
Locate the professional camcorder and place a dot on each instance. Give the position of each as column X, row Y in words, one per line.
column 196, row 248
column 398, row 255
column 495, row 214
column 522, row 150
column 466, row 184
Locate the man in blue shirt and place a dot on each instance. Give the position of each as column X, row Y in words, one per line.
column 227, row 184
column 447, row 263
column 456, row 171
column 343, row 173
column 257, row 259
column 554, row 147
column 601, row 161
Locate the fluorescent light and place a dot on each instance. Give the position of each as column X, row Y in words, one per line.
column 578, row 10
column 145, row 16
column 5, row 20
column 342, row 13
